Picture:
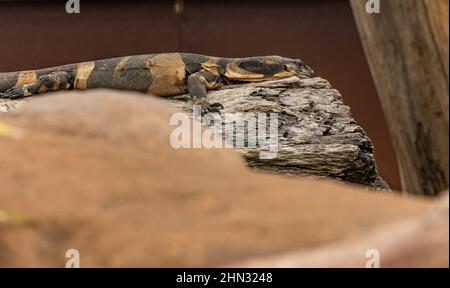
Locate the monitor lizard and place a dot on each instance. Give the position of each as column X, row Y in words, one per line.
column 165, row 74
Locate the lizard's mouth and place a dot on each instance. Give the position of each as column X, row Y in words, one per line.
column 300, row 70
column 304, row 71
column 303, row 75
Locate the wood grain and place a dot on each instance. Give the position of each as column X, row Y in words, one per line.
column 407, row 48
column 317, row 135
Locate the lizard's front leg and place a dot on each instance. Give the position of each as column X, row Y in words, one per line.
column 59, row 80
column 197, row 85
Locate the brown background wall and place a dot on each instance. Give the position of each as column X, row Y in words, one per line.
column 35, row 34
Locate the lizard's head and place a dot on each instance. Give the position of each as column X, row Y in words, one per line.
column 266, row 68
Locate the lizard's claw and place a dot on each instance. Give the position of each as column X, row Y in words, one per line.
column 215, row 107
column 207, row 107
column 211, row 108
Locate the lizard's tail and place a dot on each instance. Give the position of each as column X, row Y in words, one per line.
column 20, row 78
column 8, row 80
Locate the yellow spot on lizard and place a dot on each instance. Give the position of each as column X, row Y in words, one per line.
column 8, row 216
column 5, row 129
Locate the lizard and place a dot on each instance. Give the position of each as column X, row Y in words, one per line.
column 165, row 74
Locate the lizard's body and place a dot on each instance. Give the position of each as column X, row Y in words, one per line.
column 164, row 74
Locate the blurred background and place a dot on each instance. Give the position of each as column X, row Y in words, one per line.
column 37, row 34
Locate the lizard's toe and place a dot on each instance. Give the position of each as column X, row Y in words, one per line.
column 215, row 109
column 206, row 107
column 217, row 105
column 211, row 108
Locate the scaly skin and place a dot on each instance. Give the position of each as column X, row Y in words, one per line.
column 164, row 74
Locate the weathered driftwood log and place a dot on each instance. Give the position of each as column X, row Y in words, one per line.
column 316, row 132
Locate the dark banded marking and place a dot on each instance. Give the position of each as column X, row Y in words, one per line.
column 8, row 80
column 193, row 62
column 125, row 73
column 265, row 66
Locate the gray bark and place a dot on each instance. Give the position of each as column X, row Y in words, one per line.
column 317, row 135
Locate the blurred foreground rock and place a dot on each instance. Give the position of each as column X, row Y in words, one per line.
column 423, row 239
column 94, row 171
